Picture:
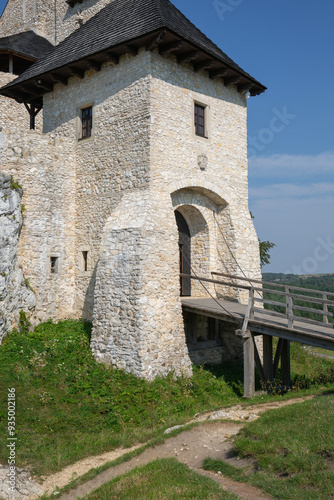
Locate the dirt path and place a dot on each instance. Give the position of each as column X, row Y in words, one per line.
column 190, row 447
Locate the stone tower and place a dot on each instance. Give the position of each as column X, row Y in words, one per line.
column 143, row 137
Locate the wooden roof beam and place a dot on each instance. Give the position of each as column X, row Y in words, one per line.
column 114, row 58
column 156, row 40
column 75, row 71
column 219, row 73
column 94, row 64
column 205, row 65
column 246, row 87
column 188, row 56
column 170, row 47
column 44, row 85
column 57, row 78
column 232, row 80
column 129, row 49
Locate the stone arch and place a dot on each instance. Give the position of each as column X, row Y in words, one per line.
column 209, row 190
column 199, row 242
column 209, row 219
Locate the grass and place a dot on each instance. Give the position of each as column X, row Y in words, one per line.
column 294, row 450
column 64, row 396
column 70, row 407
column 163, row 479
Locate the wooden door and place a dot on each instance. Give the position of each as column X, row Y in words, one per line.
column 185, row 254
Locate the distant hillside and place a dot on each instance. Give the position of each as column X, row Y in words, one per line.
column 314, row 281
column 323, row 282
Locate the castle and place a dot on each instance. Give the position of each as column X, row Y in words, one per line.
column 127, row 129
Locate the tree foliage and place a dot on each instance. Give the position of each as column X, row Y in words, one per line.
column 265, row 247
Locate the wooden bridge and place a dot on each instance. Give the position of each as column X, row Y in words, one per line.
column 253, row 320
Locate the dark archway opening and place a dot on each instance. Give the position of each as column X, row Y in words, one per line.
column 185, row 254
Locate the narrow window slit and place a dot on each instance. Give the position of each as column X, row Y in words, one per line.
column 54, row 265
column 85, row 261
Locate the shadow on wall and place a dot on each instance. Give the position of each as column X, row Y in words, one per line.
column 88, row 305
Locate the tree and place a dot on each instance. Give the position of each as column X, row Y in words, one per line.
column 265, row 247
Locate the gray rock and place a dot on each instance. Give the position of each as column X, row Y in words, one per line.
column 15, row 294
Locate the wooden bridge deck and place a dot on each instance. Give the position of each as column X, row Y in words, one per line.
column 263, row 323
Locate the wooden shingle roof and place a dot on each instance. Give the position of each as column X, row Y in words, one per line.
column 122, row 27
column 26, row 44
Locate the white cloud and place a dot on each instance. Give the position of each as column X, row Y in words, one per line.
column 286, row 190
column 292, row 165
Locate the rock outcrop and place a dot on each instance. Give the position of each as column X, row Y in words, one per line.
column 15, row 294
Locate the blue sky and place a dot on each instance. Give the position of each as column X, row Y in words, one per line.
column 288, row 46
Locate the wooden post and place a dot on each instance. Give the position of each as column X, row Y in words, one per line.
column 290, row 312
column 251, row 300
column 32, row 117
column 11, row 64
column 249, row 368
column 325, row 309
column 285, row 363
column 277, row 356
column 268, row 357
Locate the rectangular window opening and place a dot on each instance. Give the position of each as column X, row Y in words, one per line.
column 54, row 265
column 86, row 122
column 85, row 261
column 200, row 120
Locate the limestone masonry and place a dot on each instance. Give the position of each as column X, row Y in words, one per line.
column 100, row 239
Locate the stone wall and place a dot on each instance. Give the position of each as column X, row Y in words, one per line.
column 53, row 19
column 45, row 167
column 15, row 293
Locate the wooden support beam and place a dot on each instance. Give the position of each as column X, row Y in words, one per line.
column 325, row 308
column 114, row 58
column 94, row 64
column 219, row 73
column 129, row 49
column 246, row 87
column 11, row 64
column 249, row 370
column 207, row 64
column 33, row 111
column 232, row 80
column 74, row 71
column 277, row 357
column 170, row 47
column 188, row 56
column 156, row 40
column 258, row 362
column 204, row 65
column 285, row 364
column 57, row 78
column 44, row 85
column 268, row 357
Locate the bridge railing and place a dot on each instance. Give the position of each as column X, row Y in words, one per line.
column 291, row 295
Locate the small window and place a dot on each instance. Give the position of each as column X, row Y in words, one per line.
column 200, row 120
column 86, row 122
column 54, row 265
column 85, row 261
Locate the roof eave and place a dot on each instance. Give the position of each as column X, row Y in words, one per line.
column 164, row 40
